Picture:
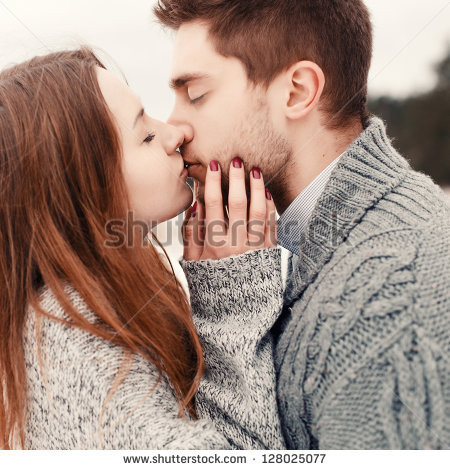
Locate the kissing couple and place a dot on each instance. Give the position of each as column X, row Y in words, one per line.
column 100, row 347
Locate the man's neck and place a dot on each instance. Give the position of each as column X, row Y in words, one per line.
column 310, row 157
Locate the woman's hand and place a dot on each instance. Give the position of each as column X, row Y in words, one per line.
column 209, row 234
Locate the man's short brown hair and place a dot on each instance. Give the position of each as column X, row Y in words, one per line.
column 268, row 36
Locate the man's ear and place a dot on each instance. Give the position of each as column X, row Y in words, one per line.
column 305, row 81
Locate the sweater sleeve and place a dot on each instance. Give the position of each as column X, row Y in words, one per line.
column 235, row 302
column 70, row 404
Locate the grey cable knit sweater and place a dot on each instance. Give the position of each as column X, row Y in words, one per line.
column 363, row 352
column 235, row 302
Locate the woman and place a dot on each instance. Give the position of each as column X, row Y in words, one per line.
column 98, row 344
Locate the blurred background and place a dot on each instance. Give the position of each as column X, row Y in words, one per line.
column 409, row 84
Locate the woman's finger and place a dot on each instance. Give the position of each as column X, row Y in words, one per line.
column 193, row 246
column 271, row 222
column 214, row 216
column 195, row 190
column 257, row 212
column 186, row 234
column 200, row 220
column 237, row 206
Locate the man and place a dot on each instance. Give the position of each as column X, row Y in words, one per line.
column 364, row 339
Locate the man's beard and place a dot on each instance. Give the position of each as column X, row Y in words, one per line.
column 259, row 145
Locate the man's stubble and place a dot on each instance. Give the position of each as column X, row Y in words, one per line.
column 259, row 145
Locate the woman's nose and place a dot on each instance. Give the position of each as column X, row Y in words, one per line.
column 176, row 120
column 176, row 136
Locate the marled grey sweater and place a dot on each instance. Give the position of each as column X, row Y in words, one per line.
column 235, row 302
column 363, row 356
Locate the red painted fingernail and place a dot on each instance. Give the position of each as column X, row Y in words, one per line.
column 214, row 165
column 268, row 195
column 194, row 209
column 256, row 174
column 237, row 163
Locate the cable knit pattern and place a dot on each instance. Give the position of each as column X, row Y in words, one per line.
column 364, row 341
column 240, row 357
column 65, row 404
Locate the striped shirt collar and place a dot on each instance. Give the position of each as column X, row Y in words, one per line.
column 294, row 219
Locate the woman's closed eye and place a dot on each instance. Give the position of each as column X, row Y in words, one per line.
column 149, row 138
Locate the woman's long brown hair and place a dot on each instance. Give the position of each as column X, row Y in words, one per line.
column 60, row 183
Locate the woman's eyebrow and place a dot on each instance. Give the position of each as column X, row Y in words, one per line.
column 139, row 115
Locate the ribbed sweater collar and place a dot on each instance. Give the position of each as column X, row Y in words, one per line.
column 368, row 170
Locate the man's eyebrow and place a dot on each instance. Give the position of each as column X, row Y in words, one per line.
column 180, row 82
column 139, row 115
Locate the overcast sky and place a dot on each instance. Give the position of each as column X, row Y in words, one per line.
column 410, row 36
